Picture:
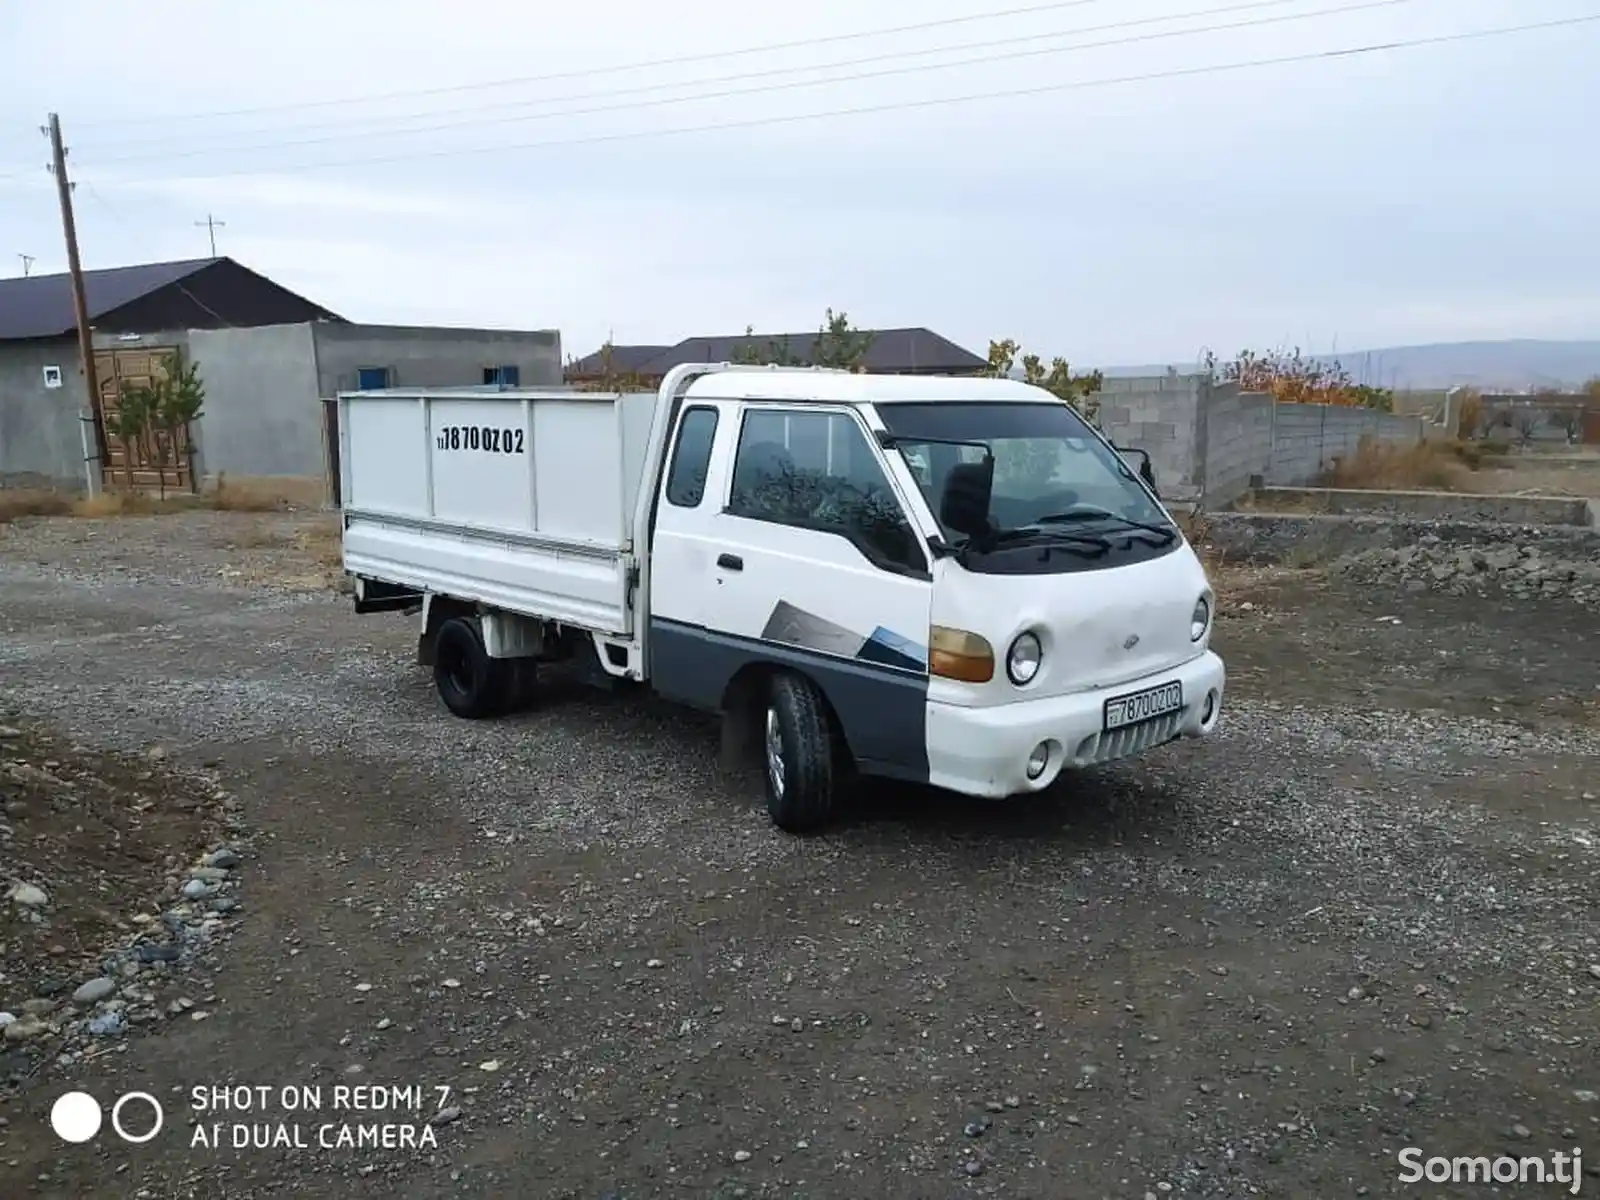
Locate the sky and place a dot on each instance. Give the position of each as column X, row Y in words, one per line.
column 650, row 172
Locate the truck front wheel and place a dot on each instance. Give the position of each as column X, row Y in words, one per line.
column 799, row 755
column 470, row 683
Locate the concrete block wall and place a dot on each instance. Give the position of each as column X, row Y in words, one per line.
column 41, row 442
column 1238, row 432
column 433, row 357
column 1306, row 438
column 1160, row 415
column 1207, row 441
column 262, row 413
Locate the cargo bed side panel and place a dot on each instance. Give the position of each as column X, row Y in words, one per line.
column 512, row 499
column 556, row 582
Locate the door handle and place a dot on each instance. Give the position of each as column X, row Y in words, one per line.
column 730, row 562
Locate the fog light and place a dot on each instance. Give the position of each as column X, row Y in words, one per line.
column 1038, row 760
column 1210, row 709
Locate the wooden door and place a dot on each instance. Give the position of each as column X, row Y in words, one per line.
column 161, row 462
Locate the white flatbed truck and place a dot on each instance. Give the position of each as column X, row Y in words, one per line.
column 953, row 581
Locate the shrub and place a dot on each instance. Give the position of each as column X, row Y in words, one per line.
column 1418, row 466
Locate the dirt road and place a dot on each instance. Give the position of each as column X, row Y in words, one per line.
column 1365, row 917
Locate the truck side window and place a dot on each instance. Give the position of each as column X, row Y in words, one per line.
column 817, row 471
column 691, row 458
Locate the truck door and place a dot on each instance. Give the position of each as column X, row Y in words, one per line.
column 804, row 559
column 681, row 548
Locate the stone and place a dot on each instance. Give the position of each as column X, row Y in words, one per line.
column 94, row 991
column 28, row 896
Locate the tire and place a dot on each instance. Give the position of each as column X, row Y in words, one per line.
column 471, row 684
column 800, row 756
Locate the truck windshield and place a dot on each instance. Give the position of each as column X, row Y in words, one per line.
column 1051, row 473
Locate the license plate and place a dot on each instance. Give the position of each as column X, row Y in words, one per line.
column 1144, row 706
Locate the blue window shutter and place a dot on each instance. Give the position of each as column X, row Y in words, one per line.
column 511, row 376
column 372, row 378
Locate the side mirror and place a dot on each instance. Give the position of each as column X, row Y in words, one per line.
column 964, row 503
column 1146, row 471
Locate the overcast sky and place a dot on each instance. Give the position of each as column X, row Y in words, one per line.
column 1437, row 193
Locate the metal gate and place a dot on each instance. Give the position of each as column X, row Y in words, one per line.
column 160, row 461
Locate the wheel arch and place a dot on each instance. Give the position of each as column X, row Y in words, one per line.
column 436, row 610
column 743, row 708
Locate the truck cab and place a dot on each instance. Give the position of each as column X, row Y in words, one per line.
column 951, row 581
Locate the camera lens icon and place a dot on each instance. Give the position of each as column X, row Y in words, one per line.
column 77, row 1116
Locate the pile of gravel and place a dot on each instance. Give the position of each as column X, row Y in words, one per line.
column 1518, row 569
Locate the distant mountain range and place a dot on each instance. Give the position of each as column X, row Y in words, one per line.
column 1492, row 366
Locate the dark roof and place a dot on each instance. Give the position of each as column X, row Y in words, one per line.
column 890, row 351
column 624, row 359
column 40, row 306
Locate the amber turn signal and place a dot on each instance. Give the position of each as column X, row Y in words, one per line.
column 960, row 654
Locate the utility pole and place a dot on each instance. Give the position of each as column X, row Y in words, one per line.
column 80, row 306
column 27, row 263
column 211, row 226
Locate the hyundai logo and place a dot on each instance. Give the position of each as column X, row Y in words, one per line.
column 1129, row 642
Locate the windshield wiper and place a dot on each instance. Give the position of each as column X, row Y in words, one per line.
column 1068, row 539
column 1062, row 518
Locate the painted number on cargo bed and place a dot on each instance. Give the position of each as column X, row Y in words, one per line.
column 481, row 437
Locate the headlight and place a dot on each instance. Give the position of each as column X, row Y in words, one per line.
column 1022, row 662
column 1200, row 619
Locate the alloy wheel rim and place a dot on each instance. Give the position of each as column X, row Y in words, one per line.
column 775, row 771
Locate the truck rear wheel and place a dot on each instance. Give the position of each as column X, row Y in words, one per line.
column 799, row 755
column 471, row 684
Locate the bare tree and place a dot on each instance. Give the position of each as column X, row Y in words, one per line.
column 1525, row 422
column 1570, row 422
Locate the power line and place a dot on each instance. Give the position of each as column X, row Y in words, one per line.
column 177, row 283
column 1032, row 39
column 647, row 64
column 936, row 102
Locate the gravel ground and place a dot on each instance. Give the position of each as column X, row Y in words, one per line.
column 1364, row 917
column 1522, row 570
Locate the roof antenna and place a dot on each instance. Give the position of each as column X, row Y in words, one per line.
column 27, row 263
column 211, row 225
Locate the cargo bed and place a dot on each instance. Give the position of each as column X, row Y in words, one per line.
column 523, row 500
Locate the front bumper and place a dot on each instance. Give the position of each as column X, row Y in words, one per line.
column 985, row 751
